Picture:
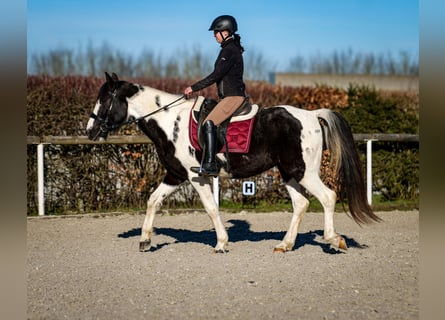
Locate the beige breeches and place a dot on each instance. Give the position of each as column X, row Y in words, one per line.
column 224, row 109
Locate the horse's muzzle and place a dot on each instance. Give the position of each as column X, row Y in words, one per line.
column 96, row 133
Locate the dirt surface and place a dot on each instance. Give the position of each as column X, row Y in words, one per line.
column 89, row 267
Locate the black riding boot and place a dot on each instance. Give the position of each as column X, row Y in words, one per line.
column 208, row 164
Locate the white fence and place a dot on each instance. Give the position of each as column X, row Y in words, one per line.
column 61, row 140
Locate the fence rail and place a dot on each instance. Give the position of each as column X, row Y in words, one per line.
column 139, row 139
column 84, row 140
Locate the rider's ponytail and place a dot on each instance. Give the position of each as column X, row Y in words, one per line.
column 237, row 39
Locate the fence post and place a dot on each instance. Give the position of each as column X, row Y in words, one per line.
column 369, row 170
column 40, row 180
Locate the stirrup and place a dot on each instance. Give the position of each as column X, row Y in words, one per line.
column 202, row 172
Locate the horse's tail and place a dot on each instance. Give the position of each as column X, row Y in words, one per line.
column 346, row 166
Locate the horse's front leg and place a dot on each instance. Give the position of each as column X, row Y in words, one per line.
column 202, row 186
column 153, row 204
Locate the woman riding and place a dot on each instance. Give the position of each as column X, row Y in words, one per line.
column 228, row 76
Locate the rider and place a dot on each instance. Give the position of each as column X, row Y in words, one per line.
column 228, row 76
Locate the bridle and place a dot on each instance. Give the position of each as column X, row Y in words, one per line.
column 105, row 127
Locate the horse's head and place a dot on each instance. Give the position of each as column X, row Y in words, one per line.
column 110, row 111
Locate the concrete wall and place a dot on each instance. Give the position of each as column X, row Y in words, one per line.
column 393, row 83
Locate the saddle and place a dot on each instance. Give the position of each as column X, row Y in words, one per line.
column 233, row 135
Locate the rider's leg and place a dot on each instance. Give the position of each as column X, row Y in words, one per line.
column 223, row 110
column 208, row 166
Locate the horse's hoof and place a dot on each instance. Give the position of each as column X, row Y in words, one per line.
column 144, row 245
column 342, row 244
column 220, row 251
column 280, row 250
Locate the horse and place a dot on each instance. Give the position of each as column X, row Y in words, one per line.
column 283, row 136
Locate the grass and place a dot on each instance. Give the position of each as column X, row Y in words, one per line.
column 378, row 204
column 251, row 205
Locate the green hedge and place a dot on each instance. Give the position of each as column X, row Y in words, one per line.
column 371, row 112
column 90, row 178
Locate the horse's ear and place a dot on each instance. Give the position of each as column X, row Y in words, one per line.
column 111, row 80
column 108, row 78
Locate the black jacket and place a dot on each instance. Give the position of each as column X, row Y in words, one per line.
column 228, row 72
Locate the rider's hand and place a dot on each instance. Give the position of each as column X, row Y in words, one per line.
column 188, row 91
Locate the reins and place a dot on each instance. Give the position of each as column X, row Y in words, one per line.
column 164, row 108
column 104, row 127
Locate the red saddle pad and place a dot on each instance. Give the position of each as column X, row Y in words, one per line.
column 238, row 135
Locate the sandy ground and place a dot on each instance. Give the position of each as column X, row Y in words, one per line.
column 89, row 267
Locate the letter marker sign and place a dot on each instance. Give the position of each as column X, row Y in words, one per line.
column 248, row 188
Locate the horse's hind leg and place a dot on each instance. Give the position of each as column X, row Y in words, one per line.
column 299, row 204
column 153, row 204
column 327, row 198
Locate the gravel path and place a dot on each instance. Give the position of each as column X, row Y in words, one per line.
column 89, row 267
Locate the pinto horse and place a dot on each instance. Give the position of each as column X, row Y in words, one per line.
column 285, row 137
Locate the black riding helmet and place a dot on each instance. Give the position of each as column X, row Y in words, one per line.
column 224, row 22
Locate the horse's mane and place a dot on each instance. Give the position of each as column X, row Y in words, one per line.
column 156, row 91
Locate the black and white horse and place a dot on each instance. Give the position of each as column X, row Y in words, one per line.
column 289, row 138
